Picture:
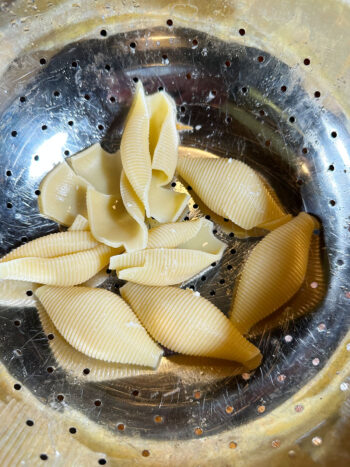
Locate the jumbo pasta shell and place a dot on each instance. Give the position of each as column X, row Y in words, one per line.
column 65, row 270
column 134, row 147
column 231, row 189
column 99, row 168
column 189, row 324
column 80, row 365
column 99, row 324
column 52, row 245
column 62, row 195
column 273, row 272
column 111, row 223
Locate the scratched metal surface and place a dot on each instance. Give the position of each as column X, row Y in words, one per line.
column 240, row 106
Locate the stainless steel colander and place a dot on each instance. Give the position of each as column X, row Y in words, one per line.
column 264, row 82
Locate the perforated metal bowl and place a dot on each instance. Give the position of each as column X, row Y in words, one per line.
column 245, row 98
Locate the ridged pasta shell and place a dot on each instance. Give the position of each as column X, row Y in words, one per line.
column 149, row 154
column 161, row 266
column 111, row 223
column 65, row 270
column 273, row 272
column 168, row 266
column 14, row 293
column 52, row 245
column 134, row 147
column 80, row 223
column 62, row 195
column 99, row 168
column 99, row 324
column 75, row 362
column 172, row 234
column 231, row 189
column 307, row 299
column 189, row 324
column 163, row 135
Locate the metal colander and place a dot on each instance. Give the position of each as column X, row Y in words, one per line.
column 67, row 84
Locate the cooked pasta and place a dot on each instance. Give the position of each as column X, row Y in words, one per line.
column 16, row 293
column 97, row 279
column 186, row 323
column 99, row 324
column 168, row 266
column 80, row 223
column 111, row 223
column 99, row 168
column 134, row 148
column 80, row 365
column 230, row 188
column 62, row 195
column 173, row 234
column 149, row 154
column 64, row 270
column 52, row 245
column 273, row 272
column 307, row 298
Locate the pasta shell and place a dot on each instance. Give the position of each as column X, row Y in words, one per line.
column 111, row 223
column 231, row 189
column 99, row 168
column 173, row 234
column 307, row 299
column 65, row 270
column 97, row 279
column 14, row 293
column 160, row 266
column 99, row 324
column 52, row 245
column 63, row 195
column 134, row 147
column 149, row 154
column 163, row 136
column 75, row 362
column 273, row 272
column 166, row 205
column 189, row 324
column 80, row 223
column 168, row 266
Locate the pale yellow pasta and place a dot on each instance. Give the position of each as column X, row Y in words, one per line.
column 80, row 365
column 160, row 266
column 187, row 323
column 273, row 272
column 97, row 279
column 80, row 223
column 52, row 245
column 99, row 324
column 168, row 266
column 166, row 205
column 149, row 154
column 110, row 222
column 14, row 293
column 63, row 195
column 99, row 168
column 172, row 234
column 65, row 270
column 134, row 148
column 135, row 208
column 230, row 188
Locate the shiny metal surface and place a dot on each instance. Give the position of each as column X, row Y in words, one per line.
column 242, row 103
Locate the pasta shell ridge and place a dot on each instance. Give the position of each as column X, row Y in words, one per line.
column 99, row 324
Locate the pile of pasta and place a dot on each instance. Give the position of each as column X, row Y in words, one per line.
column 106, row 202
